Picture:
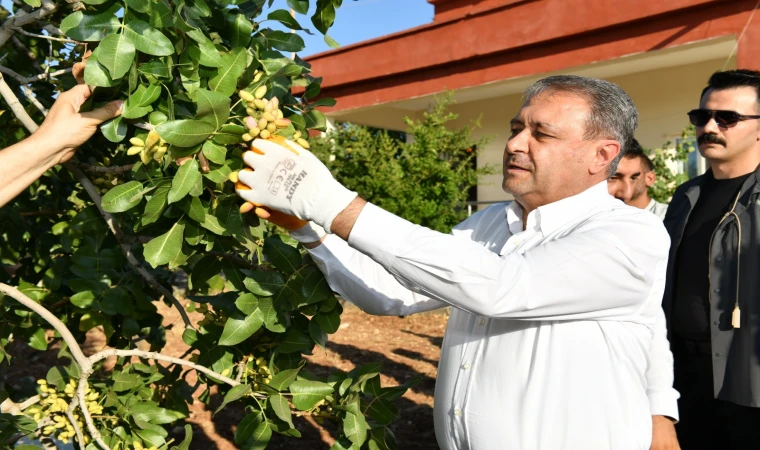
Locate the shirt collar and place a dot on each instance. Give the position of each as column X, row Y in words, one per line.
column 551, row 217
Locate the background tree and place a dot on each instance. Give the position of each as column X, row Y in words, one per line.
column 426, row 181
column 666, row 159
column 95, row 243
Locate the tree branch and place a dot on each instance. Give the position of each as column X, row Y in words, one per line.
column 125, row 247
column 42, row 36
column 26, row 80
column 16, row 107
column 19, row 296
column 22, row 18
column 161, row 357
column 33, row 100
column 74, row 424
column 101, row 169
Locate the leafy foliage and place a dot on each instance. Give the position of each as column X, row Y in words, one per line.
column 665, row 160
column 182, row 67
column 426, row 181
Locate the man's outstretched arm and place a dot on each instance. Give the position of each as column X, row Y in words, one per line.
column 63, row 130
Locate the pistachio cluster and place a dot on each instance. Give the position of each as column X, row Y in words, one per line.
column 265, row 118
column 55, row 403
column 106, row 181
column 153, row 147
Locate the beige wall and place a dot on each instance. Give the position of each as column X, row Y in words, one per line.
column 663, row 97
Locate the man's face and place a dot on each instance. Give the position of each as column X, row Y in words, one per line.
column 727, row 144
column 630, row 181
column 547, row 158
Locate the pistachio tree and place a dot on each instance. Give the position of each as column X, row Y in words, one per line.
column 149, row 202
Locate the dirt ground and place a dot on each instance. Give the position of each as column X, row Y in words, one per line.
column 407, row 347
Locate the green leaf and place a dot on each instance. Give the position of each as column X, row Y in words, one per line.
column 33, row 4
column 82, row 299
column 332, row 43
column 227, row 74
column 284, row 17
column 240, row 327
column 185, row 444
column 230, row 134
column 382, row 411
column 206, row 54
column 214, row 152
column 247, row 303
column 148, row 39
column 248, row 426
column 315, row 120
column 239, row 30
column 281, row 408
column 264, row 283
column 152, row 413
column 94, row 72
column 295, row 341
column 355, row 428
column 89, row 27
column 185, row 133
column 161, row 15
column 58, row 377
column 126, row 381
column 37, row 340
column 317, row 334
column 260, row 437
column 184, row 180
column 299, row 6
column 326, row 101
column 328, row 321
column 219, row 175
column 314, row 287
column 306, row 394
column 283, row 379
column 189, row 336
column 283, row 256
column 236, row 393
column 114, row 130
column 165, row 248
column 213, row 107
column 156, row 205
column 281, row 40
column 160, row 68
column 324, row 16
column 116, row 54
column 123, row 197
column 142, row 6
column 196, row 210
column 145, row 96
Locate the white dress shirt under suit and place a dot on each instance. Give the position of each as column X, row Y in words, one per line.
column 556, row 338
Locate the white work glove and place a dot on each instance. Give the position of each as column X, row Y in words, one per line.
column 290, row 179
column 311, row 232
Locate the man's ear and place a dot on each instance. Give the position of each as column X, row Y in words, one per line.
column 650, row 178
column 606, row 152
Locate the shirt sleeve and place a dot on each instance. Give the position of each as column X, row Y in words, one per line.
column 602, row 270
column 365, row 283
column 663, row 399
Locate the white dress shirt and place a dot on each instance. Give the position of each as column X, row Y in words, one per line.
column 556, row 338
column 657, row 208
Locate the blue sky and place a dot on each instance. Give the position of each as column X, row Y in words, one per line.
column 358, row 20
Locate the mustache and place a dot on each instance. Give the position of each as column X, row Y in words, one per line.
column 518, row 160
column 711, row 139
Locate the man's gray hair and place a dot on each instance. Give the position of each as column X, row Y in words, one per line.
column 613, row 114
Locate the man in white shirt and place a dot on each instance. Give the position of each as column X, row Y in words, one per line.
column 556, row 338
column 633, row 176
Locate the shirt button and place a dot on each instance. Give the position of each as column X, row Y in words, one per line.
column 719, row 259
column 716, row 322
column 719, row 354
column 457, row 412
column 717, row 291
column 466, row 366
column 482, row 322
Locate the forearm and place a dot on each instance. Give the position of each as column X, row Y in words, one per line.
column 22, row 164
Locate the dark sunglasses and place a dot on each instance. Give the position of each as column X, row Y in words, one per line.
column 724, row 119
